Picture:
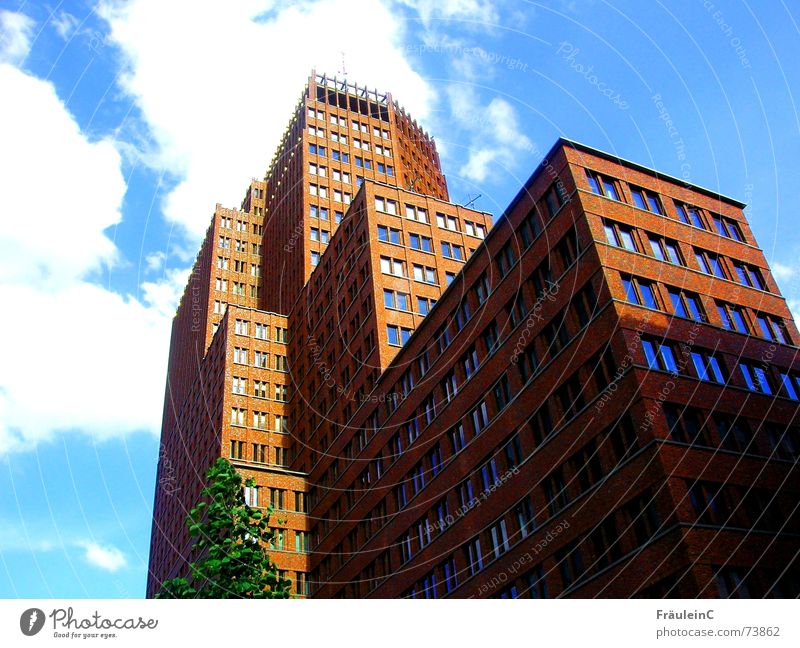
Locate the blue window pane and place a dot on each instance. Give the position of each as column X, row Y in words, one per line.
column 738, row 320
column 682, row 215
column 716, row 267
column 701, row 261
column 677, row 304
column 388, row 298
column 610, row 234
column 658, row 253
column 763, row 382
column 755, row 279
column 668, row 358
column 648, row 297
column 716, row 370
column 610, row 189
column 788, row 387
column 748, row 378
column 695, row 218
column 694, row 308
column 723, row 315
column 719, row 225
column 638, row 199
column 593, row 184
column 766, row 331
column 627, row 240
column 742, row 275
column 392, row 335
column 650, row 354
column 402, row 301
column 655, row 206
column 672, row 253
column 700, row 366
column 405, row 334
column 630, row 291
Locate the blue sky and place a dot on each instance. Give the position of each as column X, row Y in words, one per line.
column 123, row 123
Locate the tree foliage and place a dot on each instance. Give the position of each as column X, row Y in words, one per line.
column 232, row 561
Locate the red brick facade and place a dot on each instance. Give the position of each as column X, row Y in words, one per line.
column 602, row 402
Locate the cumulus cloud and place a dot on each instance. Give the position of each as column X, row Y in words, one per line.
column 788, row 278
column 107, row 557
column 16, row 30
column 65, row 24
column 76, row 356
column 468, row 11
column 216, row 108
column 495, row 139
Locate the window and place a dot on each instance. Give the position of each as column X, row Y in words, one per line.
column 260, row 453
column 314, row 259
column 388, row 234
column 732, row 317
column 397, row 335
column 523, row 514
column 237, row 449
column 424, row 305
column 709, row 263
column 506, row 259
column 395, row 299
column 260, row 389
column 424, row 274
column 452, row 251
column 447, row 222
column 749, row 276
column 260, row 420
column 791, row 385
column 659, row 355
column 457, row 438
column 472, row 553
column 645, row 199
column 639, row 291
column 239, row 385
column 756, row 378
column 686, row 304
column 240, row 355
column 771, row 328
column 474, row 229
column 499, row 538
column 620, row 236
column 602, row 185
column 707, row 366
column 555, row 197
column 261, row 359
column 727, row 227
column 392, row 266
column 281, row 363
column 470, row 362
column 665, row 250
column 689, row 215
column 281, row 393
column 238, row 416
column 419, row 242
column 480, row 418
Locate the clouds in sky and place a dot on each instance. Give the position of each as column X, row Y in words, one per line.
column 105, row 557
column 75, row 354
column 78, row 355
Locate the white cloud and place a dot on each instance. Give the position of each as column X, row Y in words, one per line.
column 217, row 107
column 64, row 24
column 105, row 557
column 75, row 356
column 466, row 11
column 16, row 30
column 788, row 278
column 495, row 139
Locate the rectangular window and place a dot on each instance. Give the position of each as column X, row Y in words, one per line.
column 645, row 199
column 756, row 378
column 732, row 317
column 602, row 185
column 640, row 291
column 708, row 367
column 659, row 355
column 690, row 216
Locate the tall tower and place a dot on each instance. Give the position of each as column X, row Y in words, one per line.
column 596, row 396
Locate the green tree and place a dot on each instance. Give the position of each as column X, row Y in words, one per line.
column 231, row 539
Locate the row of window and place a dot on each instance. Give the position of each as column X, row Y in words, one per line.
column 260, row 359
column 338, row 120
column 261, row 453
column 420, row 214
column 605, row 185
column 223, row 263
column 662, row 355
column 684, row 303
column 420, row 242
column 261, row 331
column 260, row 420
column 239, row 225
column 224, row 242
column 260, row 389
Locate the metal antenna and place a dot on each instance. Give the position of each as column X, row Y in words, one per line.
column 470, row 202
column 343, row 71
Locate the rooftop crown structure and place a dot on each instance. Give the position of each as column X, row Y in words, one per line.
column 595, row 396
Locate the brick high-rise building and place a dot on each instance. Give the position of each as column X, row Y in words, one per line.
column 602, row 402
